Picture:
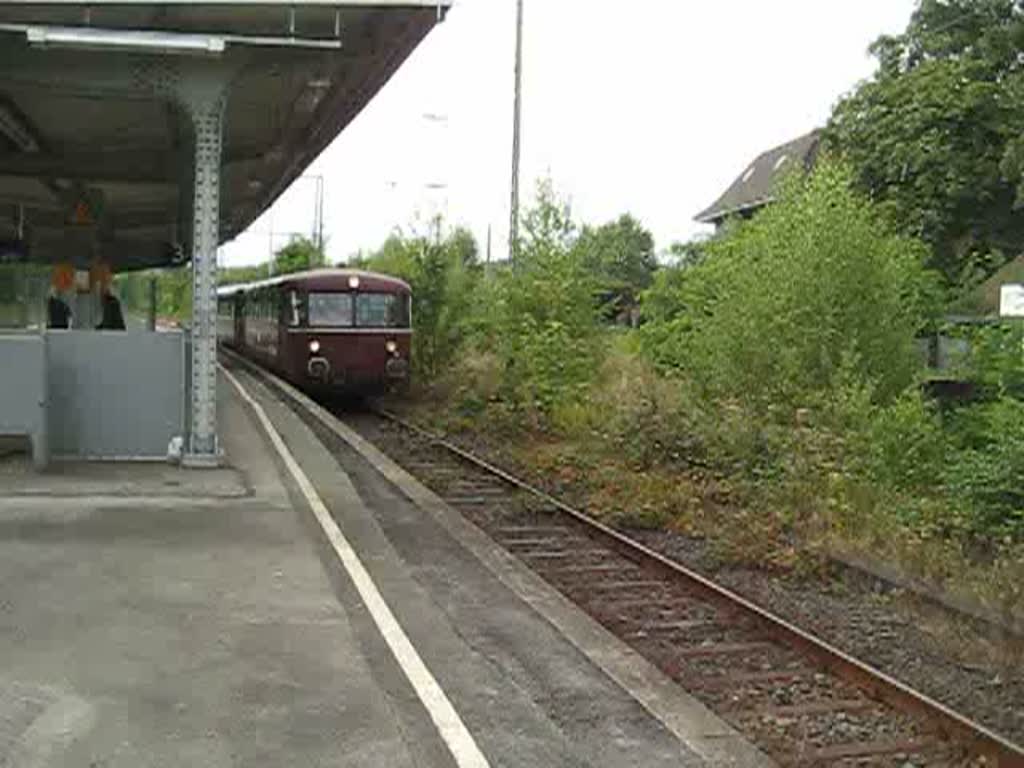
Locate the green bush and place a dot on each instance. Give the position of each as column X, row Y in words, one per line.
column 985, row 474
column 545, row 322
column 444, row 276
column 995, row 359
column 646, row 417
column 907, row 444
column 780, row 302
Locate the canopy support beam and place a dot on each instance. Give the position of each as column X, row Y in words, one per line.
column 204, row 96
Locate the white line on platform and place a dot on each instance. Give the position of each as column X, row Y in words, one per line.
column 456, row 736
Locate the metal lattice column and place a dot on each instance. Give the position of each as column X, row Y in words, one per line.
column 207, row 118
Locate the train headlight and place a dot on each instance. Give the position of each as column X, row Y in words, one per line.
column 353, row 282
column 391, row 346
column 314, row 346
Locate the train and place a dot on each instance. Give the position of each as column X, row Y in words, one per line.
column 328, row 331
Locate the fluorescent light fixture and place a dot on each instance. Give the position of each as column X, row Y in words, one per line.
column 93, row 39
column 15, row 129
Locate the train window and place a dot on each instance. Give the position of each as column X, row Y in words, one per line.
column 382, row 310
column 294, row 308
column 330, row 309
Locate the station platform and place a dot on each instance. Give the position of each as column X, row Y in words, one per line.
column 154, row 616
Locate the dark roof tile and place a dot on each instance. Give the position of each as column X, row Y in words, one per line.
column 756, row 185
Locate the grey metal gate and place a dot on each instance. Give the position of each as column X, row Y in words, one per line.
column 115, row 395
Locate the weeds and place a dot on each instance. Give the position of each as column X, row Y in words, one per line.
column 770, row 404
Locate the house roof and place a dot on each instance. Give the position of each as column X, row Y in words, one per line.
column 756, row 185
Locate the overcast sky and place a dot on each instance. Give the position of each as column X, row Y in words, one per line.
column 651, row 107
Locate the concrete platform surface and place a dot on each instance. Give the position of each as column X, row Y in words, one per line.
column 140, row 480
column 194, row 631
column 147, row 623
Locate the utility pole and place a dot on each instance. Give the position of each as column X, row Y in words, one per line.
column 513, row 230
column 270, row 246
column 320, row 218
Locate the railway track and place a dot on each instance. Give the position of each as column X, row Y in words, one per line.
column 801, row 700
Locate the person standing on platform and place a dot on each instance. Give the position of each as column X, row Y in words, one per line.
column 113, row 317
column 58, row 313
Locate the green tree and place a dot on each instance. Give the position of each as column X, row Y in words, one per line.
column 620, row 254
column 545, row 329
column 689, row 253
column 935, row 136
column 444, row 276
column 247, row 274
column 300, row 254
column 814, row 288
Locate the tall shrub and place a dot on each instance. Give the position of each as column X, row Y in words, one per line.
column 444, row 275
column 815, row 283
column 546, row 329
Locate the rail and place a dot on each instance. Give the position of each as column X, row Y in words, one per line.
column 875, row 683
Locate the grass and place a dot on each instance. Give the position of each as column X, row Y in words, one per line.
column 639, row 453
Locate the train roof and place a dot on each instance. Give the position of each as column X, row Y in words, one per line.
column 326, row 279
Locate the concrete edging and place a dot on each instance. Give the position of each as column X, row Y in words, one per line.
column 956, row 602
column 687, row 719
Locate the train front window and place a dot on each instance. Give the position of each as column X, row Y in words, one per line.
column 382, row 310
column 330, row 309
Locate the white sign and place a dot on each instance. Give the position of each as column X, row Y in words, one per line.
column 1011, row 300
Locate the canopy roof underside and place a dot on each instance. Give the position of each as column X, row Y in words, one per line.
column 76, row 129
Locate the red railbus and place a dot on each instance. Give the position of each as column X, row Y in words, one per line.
column 338, row 330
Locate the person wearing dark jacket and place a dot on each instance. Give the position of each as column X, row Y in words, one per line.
column 113, row 317
column 58, row 313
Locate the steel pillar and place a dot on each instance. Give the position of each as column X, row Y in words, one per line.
column 151, row 319
column 204, row 100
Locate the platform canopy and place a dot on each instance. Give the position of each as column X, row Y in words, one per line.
column 97, row 147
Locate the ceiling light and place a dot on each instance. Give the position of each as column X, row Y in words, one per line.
column 92, row 39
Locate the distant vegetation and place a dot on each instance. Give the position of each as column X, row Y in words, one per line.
column 935, row 137
column 771, row 397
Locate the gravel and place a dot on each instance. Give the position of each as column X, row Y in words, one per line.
column 946, row 655
column 938, row 653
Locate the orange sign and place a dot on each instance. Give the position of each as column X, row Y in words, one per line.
column 63, row 277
